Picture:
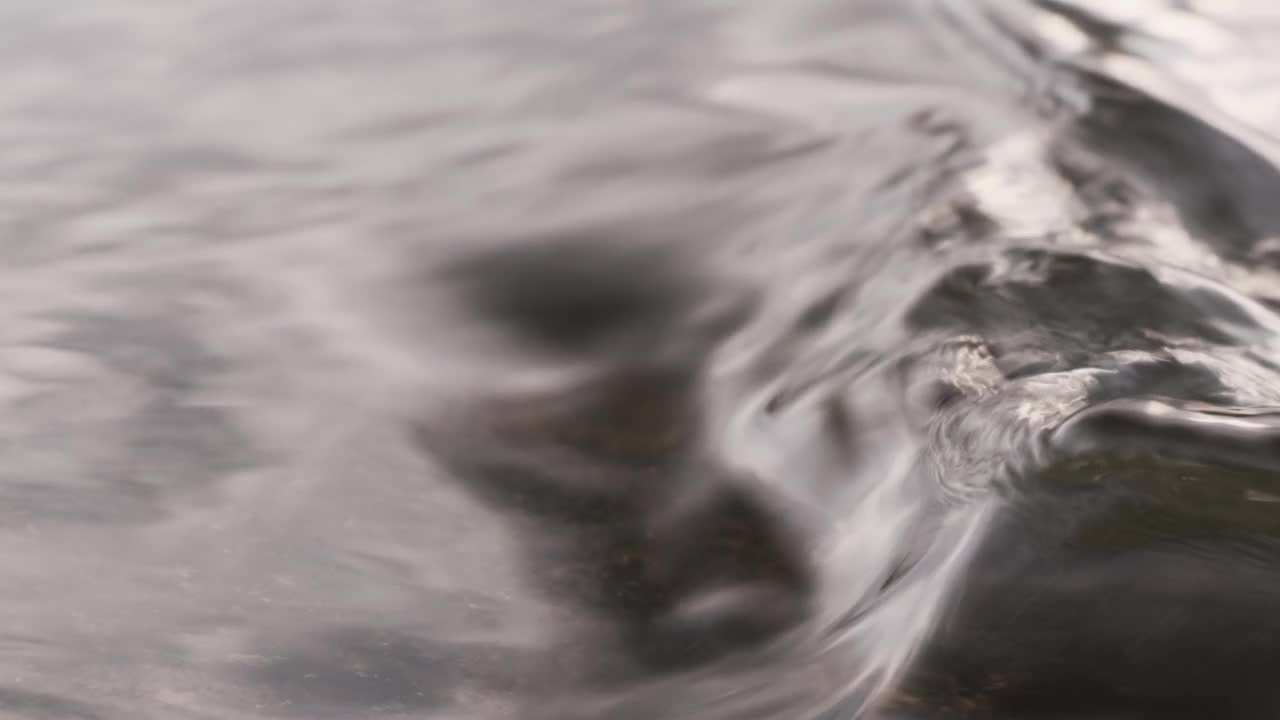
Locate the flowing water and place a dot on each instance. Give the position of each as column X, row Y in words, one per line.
column 637, row 359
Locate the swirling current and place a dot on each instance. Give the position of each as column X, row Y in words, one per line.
column 640, row 359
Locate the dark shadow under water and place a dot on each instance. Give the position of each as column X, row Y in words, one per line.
column 1097, row 410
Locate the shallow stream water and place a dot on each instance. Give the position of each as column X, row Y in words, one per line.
column 639, row 359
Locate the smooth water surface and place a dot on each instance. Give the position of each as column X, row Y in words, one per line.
column 978, row 298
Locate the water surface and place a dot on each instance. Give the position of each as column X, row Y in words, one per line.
column 1008, row 359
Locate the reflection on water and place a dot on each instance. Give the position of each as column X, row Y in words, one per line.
column 483, row 359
